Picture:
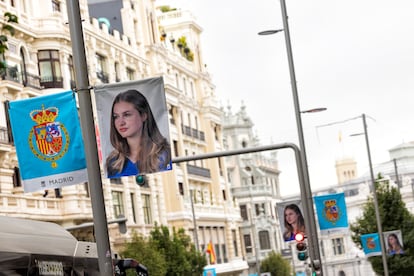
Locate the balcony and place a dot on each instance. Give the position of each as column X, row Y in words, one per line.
column 28, row 80
column 192, row 132
column 51, row 82
column 199, row 171
column 252, row 190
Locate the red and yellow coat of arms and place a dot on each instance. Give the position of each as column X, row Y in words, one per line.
column 331, row 211
column 49, row 139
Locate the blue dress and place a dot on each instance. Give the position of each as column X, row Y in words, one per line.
column 131, row 168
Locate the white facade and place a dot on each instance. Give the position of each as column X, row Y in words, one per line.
column 39, row 62
column 254, row 179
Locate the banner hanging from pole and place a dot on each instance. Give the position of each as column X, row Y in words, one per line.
column 48, row 140
column 332, row 213
column 134, row 127
column 371, row 244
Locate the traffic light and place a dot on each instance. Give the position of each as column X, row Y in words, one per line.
column 301, row 246
column 140, row 180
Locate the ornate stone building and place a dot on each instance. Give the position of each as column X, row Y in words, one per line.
column 126, row 40
column 254, row 179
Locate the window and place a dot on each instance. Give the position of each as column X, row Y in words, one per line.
column 338, row 246
column 118, row 203
column 130, row 73
column 264, row 239
column 132, row 195
column 56, row 5
column 49, row 69
column 243, row 212
column 71, row 73
column 248, row 243
column 101, row 68
column 181, row 188
column 23, row 67
column 16, row 178
column 117, row 72
column 234, row 237
column 146, row 208
column 115, row 180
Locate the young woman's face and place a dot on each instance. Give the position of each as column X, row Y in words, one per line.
column 291, row 216
column 127, row 120
column 392, row 240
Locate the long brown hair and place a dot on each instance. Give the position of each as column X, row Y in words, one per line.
column 288, row 227
column 153, row 144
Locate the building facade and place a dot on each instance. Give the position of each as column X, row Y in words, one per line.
column 254, row 179
column 131, row 44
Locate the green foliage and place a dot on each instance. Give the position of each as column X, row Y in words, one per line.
column 166, row 254
column 167, row 8
column 276, row 265
column 7, row 27
column 184, row 49
column 394, row 215
column 141, row 250
column 180, row 254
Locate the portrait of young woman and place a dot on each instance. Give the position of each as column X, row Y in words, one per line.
column 131, row 131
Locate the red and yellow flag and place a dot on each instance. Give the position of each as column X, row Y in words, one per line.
column 210, row 251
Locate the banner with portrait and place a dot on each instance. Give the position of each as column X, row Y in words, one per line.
column 291, row 219
column 393, row 242
column 371, row 244
column 48, row 139
column 133, row 127
column 331, row 212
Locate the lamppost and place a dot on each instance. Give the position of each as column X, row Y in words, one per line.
column 374, row 190
column 306, row 195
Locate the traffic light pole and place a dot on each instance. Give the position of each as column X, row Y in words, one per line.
column 314, row 246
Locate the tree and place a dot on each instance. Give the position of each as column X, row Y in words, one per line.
column 178, row 251
column 7, row 27
column 140, row 249
column 394, row 215
column 276, row 265
column 166, row 254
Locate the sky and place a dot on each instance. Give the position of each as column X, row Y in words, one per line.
column 352, row 57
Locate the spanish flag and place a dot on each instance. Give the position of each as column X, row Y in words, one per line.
column 210, row 250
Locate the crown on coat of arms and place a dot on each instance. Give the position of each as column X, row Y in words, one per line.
column 330, row 203
column 45, row 115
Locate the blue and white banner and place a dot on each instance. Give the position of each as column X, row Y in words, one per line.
column 48, row 140
column 331, row 212
column 371, row 244
column 209, row 272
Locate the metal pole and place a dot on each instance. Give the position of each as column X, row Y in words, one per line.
column 89, row 137
column 377, row 213
column 311, row 230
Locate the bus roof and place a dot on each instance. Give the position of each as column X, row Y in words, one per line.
column 35, row 237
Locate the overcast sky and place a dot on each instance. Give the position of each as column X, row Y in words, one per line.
column 352, row 57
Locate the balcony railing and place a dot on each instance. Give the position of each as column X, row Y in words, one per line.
column 250, row 190
column 192, row 132
column 51, row 82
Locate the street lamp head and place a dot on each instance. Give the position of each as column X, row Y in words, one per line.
column 269, row 32
column 314, row 110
